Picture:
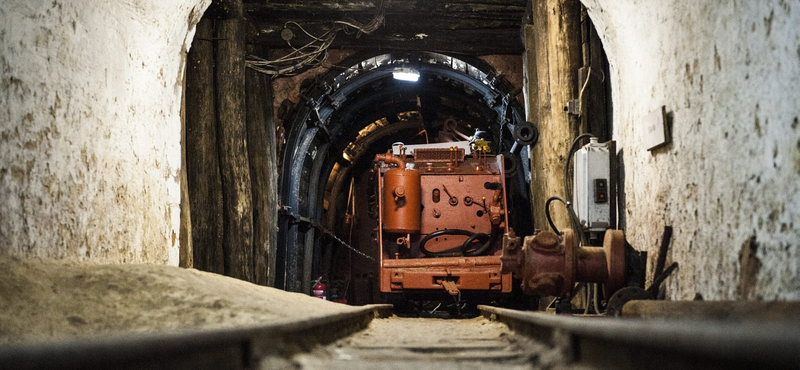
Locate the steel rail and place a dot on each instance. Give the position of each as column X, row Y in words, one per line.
column 625, row 343
column 229, row 348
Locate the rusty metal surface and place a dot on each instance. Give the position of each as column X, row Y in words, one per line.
column 401, row 194
column 613, row 343
column 472, row 216
column 464, row 262
column 439, row 155
column 550, row 264
column 614, row 247
column 462, row 201
column 466, row 273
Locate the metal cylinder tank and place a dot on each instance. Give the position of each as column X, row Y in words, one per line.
column 402, row 201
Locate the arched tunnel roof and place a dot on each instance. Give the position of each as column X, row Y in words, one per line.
column 339, row 104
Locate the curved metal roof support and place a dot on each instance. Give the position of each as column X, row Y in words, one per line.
column 338, row 106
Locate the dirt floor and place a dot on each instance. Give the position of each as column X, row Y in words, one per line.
column 417, row 343
column 42, row 300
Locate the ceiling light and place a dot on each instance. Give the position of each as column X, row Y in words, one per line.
column 405, row 74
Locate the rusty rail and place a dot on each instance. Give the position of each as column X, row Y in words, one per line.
column 619, row 343
column 233, row 348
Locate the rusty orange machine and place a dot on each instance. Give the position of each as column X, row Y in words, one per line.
column 442, row 219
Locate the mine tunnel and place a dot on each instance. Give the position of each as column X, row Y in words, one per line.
column 399, row 183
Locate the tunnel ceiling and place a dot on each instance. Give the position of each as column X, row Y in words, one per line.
column 480, row 27
column 340, row 104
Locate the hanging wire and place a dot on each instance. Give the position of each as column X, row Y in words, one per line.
column 315, row 52
column 580, row 94
column 352, row 214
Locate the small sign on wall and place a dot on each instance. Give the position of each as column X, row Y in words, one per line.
column 655, row 129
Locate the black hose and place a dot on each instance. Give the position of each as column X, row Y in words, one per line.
column 477, row 252
column 571, row 213
column 464, row 250
column 547, row 212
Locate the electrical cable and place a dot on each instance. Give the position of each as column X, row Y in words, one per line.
column 350, row 238
column 580, row 94
column 477, row 252
column 547, row 212
column 587, row 288
column 314, row 53
column 594, row 301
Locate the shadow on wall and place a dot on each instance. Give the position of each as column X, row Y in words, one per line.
column 622, row 217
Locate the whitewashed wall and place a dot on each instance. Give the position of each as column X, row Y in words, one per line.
column 90, row 127
column 729, row 74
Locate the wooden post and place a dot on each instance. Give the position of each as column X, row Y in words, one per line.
column 263, row 173
column 234, row 164
column 186, row 257
column 202, row 161
column 595, row 95
column 553, row 44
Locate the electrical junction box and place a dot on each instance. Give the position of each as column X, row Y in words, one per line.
column 592, row 186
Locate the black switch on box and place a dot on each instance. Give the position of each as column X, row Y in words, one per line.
column 600, row 190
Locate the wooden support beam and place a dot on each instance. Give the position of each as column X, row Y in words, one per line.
column 368, row 7
column 596, row 111
column 225, row 9
column 476, row 27
column 553, row 46
column 202, row 160
column 234, row 163
column 468, row 42
column 263, row 173
column 186, row 256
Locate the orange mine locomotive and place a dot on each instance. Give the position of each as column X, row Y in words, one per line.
column 442, row 219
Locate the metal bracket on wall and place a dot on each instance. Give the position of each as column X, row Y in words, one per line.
column 573, row 107
column 286, row 211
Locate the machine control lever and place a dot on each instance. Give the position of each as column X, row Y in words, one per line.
column 453, row 200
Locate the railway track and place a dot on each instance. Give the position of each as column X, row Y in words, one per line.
column 371, row 338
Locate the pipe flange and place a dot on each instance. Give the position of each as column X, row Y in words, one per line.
column 525, row 133
column 614, row 247
column 570, row 261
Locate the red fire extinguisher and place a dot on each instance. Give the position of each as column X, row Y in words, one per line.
column 319, row 289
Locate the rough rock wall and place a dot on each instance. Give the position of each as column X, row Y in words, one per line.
column 90, row 128
column 729, row 183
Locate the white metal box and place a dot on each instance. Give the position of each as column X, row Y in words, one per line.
column 592, row 183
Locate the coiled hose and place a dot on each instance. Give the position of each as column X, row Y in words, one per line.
column 465, row 251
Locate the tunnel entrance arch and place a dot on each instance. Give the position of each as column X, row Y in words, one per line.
column 348, row 116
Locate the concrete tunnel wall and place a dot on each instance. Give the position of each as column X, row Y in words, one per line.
column 729, row 183
column 90, row 128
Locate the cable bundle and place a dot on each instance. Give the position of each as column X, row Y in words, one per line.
column 314, row 53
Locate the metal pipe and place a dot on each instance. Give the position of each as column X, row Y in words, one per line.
column 389, row 158
column 550, row 264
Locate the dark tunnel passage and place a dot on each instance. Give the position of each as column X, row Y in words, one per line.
column 329, row 217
